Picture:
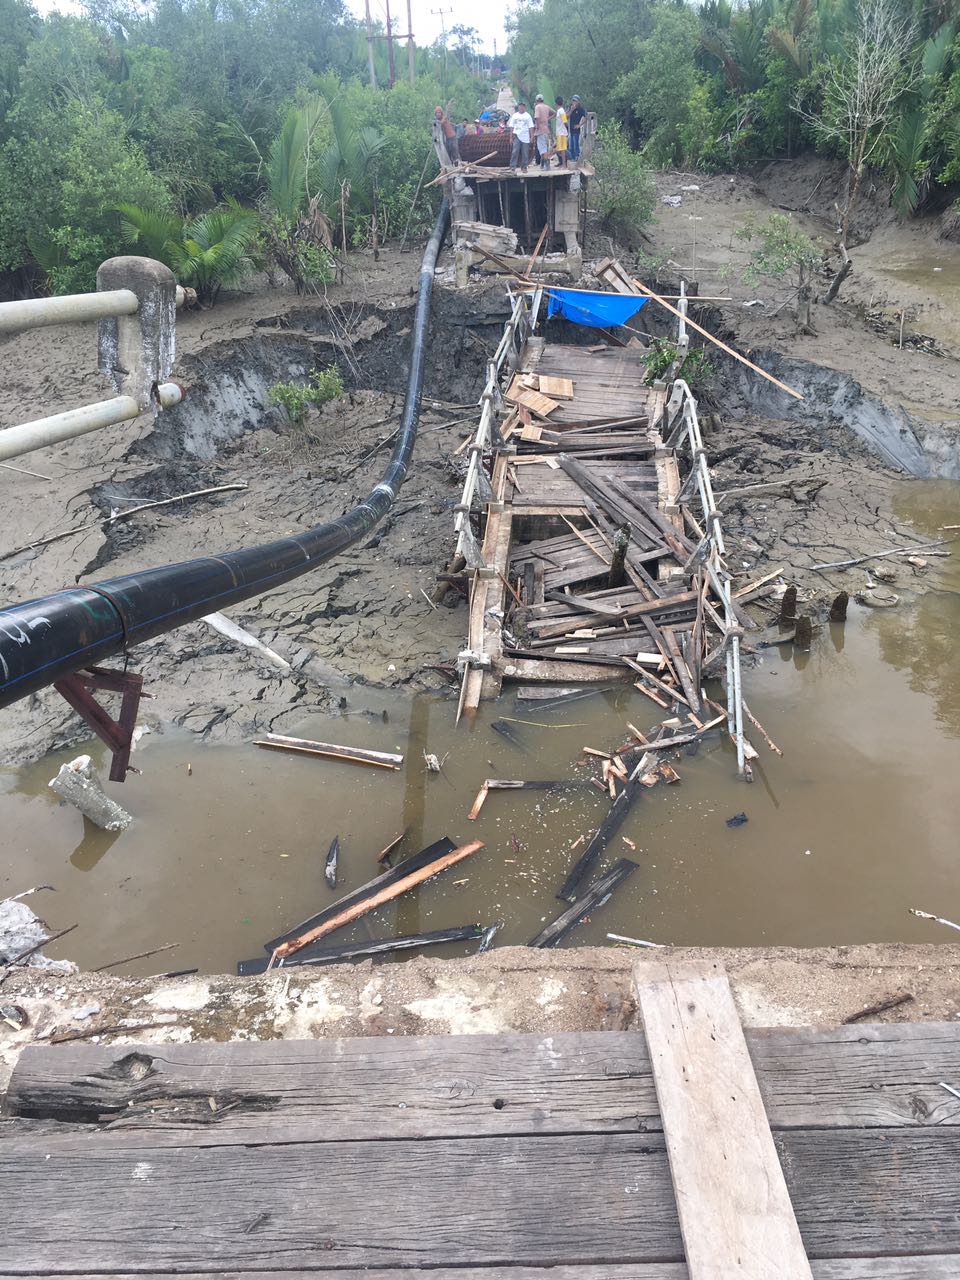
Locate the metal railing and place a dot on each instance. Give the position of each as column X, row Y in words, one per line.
column 135, row 346
column 515, row 333
column 682, row 427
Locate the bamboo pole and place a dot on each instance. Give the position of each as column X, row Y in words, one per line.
column 378, row 899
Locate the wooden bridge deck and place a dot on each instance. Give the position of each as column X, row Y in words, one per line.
column 519, row 1157
column 544, row 523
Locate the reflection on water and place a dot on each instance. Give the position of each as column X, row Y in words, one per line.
column 854, row 825
column 924, row 638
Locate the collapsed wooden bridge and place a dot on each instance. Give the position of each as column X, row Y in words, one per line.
column 602, row 553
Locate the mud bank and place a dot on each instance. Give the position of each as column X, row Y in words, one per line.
column 362, row 618
column 836, row 401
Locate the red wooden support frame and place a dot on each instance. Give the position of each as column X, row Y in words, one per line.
column 117, row 734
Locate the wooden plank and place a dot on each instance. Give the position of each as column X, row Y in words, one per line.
column 735, row 1211
column 882, row 1075
column 594, row 898
column 928, row 1267
column 557, row 387
column 557, row 670
column 353, row 755
column 81, row 1205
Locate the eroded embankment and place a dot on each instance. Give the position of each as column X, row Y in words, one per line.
column 835, row 402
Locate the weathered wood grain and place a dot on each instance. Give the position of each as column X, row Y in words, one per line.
column 942, row 1267
column 882, row 1076
column 735, row 1211
column 564, row 1199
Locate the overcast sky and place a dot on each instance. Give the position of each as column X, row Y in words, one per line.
column 487, row 19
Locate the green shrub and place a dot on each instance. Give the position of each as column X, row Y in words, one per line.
column 696, row 368
column 297, row 397
column 626, row 192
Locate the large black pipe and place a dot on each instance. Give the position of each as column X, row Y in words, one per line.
column 44, row 639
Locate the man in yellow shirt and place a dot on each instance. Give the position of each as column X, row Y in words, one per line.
column 563, row 134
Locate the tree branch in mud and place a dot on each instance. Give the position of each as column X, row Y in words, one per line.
column 861, row 93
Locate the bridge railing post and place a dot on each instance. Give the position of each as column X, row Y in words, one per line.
column 136, row 351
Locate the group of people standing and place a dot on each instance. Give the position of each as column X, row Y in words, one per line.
column 533, row 132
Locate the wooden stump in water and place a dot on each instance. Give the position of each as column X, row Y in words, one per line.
column 804, row 633
column 788, row 608
column 838, row 610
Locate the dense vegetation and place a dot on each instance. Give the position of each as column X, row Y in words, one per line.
column 222, row 135
column 213, row 135
column 719, row 85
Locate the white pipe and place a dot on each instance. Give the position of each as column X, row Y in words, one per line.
column 36, row 313
column 26, row 437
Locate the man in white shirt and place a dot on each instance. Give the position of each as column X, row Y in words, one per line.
column 521, row 125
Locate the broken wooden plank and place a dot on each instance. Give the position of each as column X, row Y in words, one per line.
column 870, row 1076
column 359, row 908
column 611, row 824
column 354, row 755
column 538, row 403
column 432, row 853
column 595, row 897
column 732, row 1200
column 360, row 950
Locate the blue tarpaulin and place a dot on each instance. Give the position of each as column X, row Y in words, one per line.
column 595, row 310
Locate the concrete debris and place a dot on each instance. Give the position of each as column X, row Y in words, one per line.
column 21, row 929
column 78, row 784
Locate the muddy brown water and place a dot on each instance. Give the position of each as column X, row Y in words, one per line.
column 855, row 824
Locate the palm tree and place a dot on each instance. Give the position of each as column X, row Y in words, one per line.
column 207, row 253
column 308, row 192
column 914, row 177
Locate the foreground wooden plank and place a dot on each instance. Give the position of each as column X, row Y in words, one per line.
column 735, row 1210
column 564, row 1199
column 882, row 1076
column 940, row 1267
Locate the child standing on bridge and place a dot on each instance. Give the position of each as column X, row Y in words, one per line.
column 563, row 134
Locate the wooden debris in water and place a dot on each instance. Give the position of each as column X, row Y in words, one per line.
column 360, row 907
column 359, row 950
column 330, row 868
column 595, row 897
column 425, row 856
column 353, row 755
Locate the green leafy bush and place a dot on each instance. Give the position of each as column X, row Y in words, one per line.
column 696, row 369
column 626, row 192
column 297, row 397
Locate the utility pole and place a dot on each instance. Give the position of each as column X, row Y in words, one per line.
column 441, row 14
column 370, row 62
column 411, row 50
column 390, row 62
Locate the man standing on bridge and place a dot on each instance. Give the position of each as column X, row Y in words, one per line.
column 520, row 124
column 449, row 133
column 541, row 117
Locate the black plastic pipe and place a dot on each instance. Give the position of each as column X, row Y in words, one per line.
column 42, row 640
